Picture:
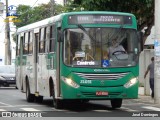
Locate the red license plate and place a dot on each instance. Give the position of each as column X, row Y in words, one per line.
column 101, row 93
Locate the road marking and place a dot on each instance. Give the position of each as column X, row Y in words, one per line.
column 127, row 109
column 29, row 109
column 101, row 110
column 151, row 108
column 5, row 104
column 26, row 105
column 58, row 109
column 2, row 110
column 21, row 106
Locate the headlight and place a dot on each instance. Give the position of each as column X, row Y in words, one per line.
column 131, row 82
column 70, row 82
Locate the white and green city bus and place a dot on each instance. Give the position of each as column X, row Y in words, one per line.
column 66, row 57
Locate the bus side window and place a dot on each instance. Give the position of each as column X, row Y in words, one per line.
column 52, row 39
column 47, row 39
column 21, row 45
column 18, row 45
column 25, row 44
column 30, row 43
column 41, row 41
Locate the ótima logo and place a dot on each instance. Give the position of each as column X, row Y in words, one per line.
column 12, row 12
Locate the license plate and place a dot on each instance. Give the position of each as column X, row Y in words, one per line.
column 101, row 93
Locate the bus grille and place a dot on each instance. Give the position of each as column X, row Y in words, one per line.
column 108, row 76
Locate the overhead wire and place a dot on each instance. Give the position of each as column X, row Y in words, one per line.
column 31, row 7
column 21, row 14
column 27, row 10
column 2, row 27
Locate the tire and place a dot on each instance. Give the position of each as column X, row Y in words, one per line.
column 5, row 84
column 30, row 97
column 56, row 102
column 39, row 99
column 116, row 103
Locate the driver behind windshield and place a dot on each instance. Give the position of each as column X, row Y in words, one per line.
column 115, row 48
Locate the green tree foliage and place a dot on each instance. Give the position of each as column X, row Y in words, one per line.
column 23, row 15
column 142, row 9
column 28, row 15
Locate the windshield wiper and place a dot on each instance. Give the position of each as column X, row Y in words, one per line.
column 85, row 31
column 91, row 37
column 116, row 33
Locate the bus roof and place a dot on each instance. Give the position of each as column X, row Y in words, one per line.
column 59, row 17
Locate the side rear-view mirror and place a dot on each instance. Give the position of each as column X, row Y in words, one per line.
column 140, row 40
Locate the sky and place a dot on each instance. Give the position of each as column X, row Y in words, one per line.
column 31, row 3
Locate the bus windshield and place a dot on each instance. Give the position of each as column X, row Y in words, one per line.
column 100, row 47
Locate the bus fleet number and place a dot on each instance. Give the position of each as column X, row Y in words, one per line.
column 86, row 81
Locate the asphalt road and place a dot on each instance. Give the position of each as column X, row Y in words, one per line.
column 13, row 102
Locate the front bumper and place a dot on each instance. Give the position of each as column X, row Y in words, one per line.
column 83, row 92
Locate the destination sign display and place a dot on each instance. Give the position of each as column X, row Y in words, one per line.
column 85, row 63
column 101, row 19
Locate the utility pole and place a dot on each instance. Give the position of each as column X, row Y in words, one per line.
column 157, row 53
column 52, row 7
column 7, row 39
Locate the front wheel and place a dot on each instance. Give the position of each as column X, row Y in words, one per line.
column 29, row 96
column 56, row 102
column 39, row 99
column 116, row 103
